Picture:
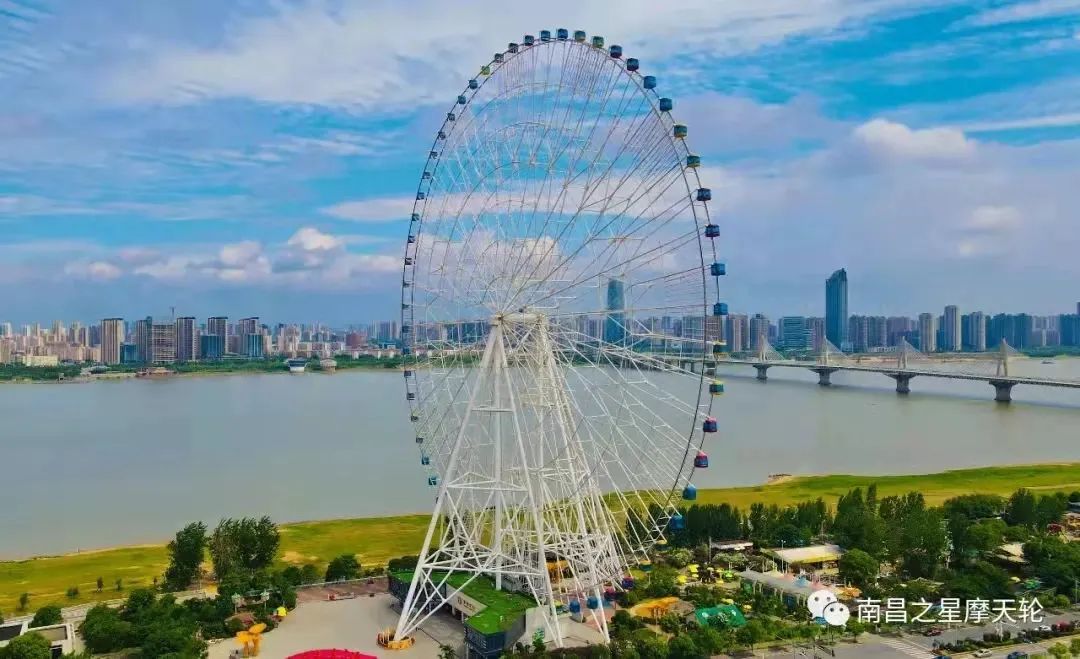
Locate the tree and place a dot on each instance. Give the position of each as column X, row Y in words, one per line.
column 1059, row 650
column 49, row 614
column 859, row 568
column 100, row 584
column 243, row 544
column 104, row 631
column 119, row 585
column 683, row 647
column 447, row 652
column 72, row 592
column 1074, row 647
column 24, row 601
column 343, row 567
column 185, row 556
column 1021, row 509
column 292, row 575
column 309, row 573
column 751, row 633
column 27, row 646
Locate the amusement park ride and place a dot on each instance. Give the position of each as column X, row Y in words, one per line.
column 560, row 239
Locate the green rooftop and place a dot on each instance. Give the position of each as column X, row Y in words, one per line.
column 501, row 608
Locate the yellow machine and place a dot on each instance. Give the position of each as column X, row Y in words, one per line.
column 386, row 639
column 251, row 639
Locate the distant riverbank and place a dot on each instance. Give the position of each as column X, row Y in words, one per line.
column 81, row 373
column 375, row 540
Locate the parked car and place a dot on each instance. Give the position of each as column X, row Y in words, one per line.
column 1017, row 655
column 932, row 631
column 982, row 653
column 1045, row 628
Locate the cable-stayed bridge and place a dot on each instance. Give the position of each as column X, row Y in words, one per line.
column 903, row 364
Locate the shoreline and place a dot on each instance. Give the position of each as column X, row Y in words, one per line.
column 124, row 376
column 777, row 483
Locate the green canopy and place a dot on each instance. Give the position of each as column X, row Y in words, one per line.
column 729, row 615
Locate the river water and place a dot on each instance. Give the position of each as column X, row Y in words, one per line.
column 107, row 463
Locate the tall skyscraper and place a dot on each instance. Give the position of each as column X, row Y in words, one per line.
column 112, row 337
column 615, row 304
column 836, row 309
column 738, row 333
column 187, row 340
column 927, row 332
column 759, row 331
column 973, row 331
column 142, row 339
column 218, row 326
column 951, row 329
column 162, row 343
column 816, row 326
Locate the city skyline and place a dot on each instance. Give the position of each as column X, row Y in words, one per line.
column 172, row 164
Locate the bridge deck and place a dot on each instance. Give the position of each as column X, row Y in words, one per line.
column 892, row 370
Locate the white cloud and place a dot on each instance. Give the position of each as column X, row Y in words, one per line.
column 311, row 239
column 380, row 209
column 97, row 270
column 1023, row 12
column 376, row 56
column 889, row 139
column 1045, row 121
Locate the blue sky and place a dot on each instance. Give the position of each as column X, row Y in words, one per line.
column 258, row 158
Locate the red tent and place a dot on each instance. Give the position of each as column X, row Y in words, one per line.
column 332, row 654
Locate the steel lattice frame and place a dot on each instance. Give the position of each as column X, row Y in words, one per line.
column 556, row 279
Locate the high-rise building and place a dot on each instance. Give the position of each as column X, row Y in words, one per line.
column 59, row 332
column 1069, row 326
column 973, row 331
column 187, row 339
column 759, row 331
column 858, row 333
column 738, row 333
column 1014, row 329
column 950, row 327
column 927, row 332
column 219, row 326
column 5, row 330
column 112, row 337
column 836, row 309
column 129, row 353
column 816, row 326
column 162, row 343
column 254, row 346
column 793, row 334
column 142, row 339
column 615, row 305
column 211, row 347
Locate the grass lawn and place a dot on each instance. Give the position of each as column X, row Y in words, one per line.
column 375, row 540
column 502, row 608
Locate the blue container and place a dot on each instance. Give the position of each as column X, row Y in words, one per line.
column 450, row 116
column 545, row 35
column 649, row 82
column 415, row 217
column 615, row 51
column 462, row 100
column 408, row 373
column 432, row 480
column 701, row 460
column 497, row 58
column 598, row 42
column 718, row 348
column 689, row 493
column 693, row 161
column 716, row 388
column 632, row 64
column 425, row 460
column 442, row 136
column 425, row 175
column 562, row 34
column 593, row 603
column 719, row 309
column 676, row 523
column 628, row 582
column 575, row 606
column 408, row 261
column 679, row 131
column 435, row 154
column 420, row 196
column 717, row 269
column 579, row 35
column 512, row 47
column 709, row 425
column 712, row 230
column 704, row 194
column 666, row 104
column 529, row 39
column 411, row 240
column 474, row 83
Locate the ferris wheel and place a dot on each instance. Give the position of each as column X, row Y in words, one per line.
column 560, row 305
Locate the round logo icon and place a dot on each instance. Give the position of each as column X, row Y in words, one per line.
column 818, row 600
column 836, row 614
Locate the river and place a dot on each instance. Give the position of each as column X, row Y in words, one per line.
column 107, row 463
